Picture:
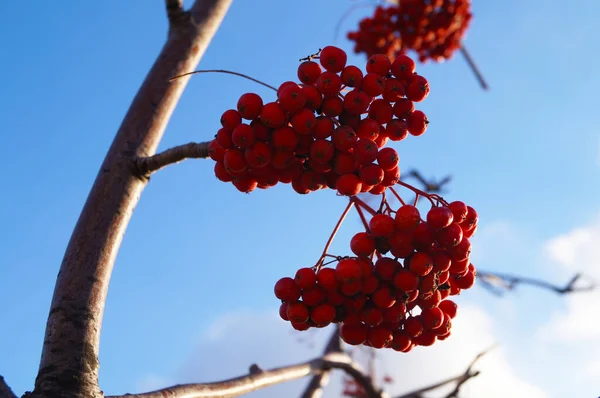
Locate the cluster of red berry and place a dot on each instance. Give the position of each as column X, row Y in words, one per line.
column 315, row 136
column 373, row 296
column 432, row 28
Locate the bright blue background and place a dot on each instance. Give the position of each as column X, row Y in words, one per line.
column 197, row 248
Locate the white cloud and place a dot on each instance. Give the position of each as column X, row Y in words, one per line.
column 237, row 340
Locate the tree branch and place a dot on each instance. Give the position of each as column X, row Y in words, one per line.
column 69, row 363
column 317, row 383
column 500, row 283
column 5, row 391
column 459, row 380
column 175, row 11
column 258, row 379
column 149, row 164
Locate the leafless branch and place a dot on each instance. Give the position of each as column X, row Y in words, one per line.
column 149, row 164
column 228, row 72
column 500, row 283
column 5, row 391
column 72, row 336
column 258, row 379
column 474, row 68
column 175, row 10
column 317, row 383
column 429, row 186
column 459, row 380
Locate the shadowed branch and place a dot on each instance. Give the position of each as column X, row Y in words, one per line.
column 175, row 10
column 5, row 391
column 500, row 283
column 317, row 383
column 148, row 165
column 459, row 380
column 258, row 379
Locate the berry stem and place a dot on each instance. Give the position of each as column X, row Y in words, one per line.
column 365, row 206
column 333, row 233
column 417, row 191
column 363, row 218
column 474, row 68
column 397, row 196
column 224, row 71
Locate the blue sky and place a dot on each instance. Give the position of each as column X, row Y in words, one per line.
column 526, row 155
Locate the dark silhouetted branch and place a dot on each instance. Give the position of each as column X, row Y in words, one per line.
column 258, row 378
column 474, row 68
column 5, row 391
column 459, row 380
column 175, row 11
column 500, row 283
column 429, row 186
column 150, row 164
column 317, row 383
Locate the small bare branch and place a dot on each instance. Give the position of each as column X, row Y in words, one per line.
column 500, row 283
column 317, row 383
column 474, row 68
column 429, row 186
column 258, row 379
column 5, row 391
column 175, row 10
column 150, row 164
column 459, row 380
column 228, row 72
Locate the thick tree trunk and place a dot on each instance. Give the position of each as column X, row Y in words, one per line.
column 69, row 363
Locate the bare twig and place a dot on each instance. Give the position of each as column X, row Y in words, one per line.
column 5, row 391
column 258, row 379
column 149, row 164
column 429, row 186
column 317, row 383
column 459, row 380
column 175, row 10
column 474, row 68
column 500, row 283
column 223, row 71
column 69, row 364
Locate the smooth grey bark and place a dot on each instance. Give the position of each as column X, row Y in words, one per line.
column 69, row 364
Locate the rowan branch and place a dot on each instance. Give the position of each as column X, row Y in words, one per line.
column 175, row 11
column 474, row 68
column 459, row 380
column 5, row 391
column 317, row 383
column 258, row 379
column 69, row 363
column 499, row 284
column 149, row 164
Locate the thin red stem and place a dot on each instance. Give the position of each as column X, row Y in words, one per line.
column 397, row 196
column 334, row 232
column 365, row 206
column 417, row 191
column 363, row 218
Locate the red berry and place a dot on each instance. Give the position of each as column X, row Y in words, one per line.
column 379, row 337
column 407, row 218
column 215, row 151
column 413, row 326
column 333, row 59
column 362, row 244
column 354, row 334
column 439, row 218
column 329, row 83
column 417, row 123
column 351, row 76
column 273, row 115
column 259, row 155
column 235, row 161
column 459, row 211
column 326, row 278
column 387, row 158
column 386, row 268
column 372, row 84
column 396, row 130
column 291, row 98
column 243, row 136
column 382, row 225
column 365, row 151
column 420, row 263
column 371, row 174
column 418, row 88
column 348, row 185
column 403, row 107
column 401, row 341
column 249, row 106
column 322, row 151
column 305, row 278
column 348, row 270
column 406, row 280
column 450, row 236
column 287, row 290
column 314, row 296
column 432, row 318
column 283, row 311
column 230, row 119
column 403, row 67
column 323, row 314
column 449, row 307
column 297, row 312
column 383, row 298
column 309, row 72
